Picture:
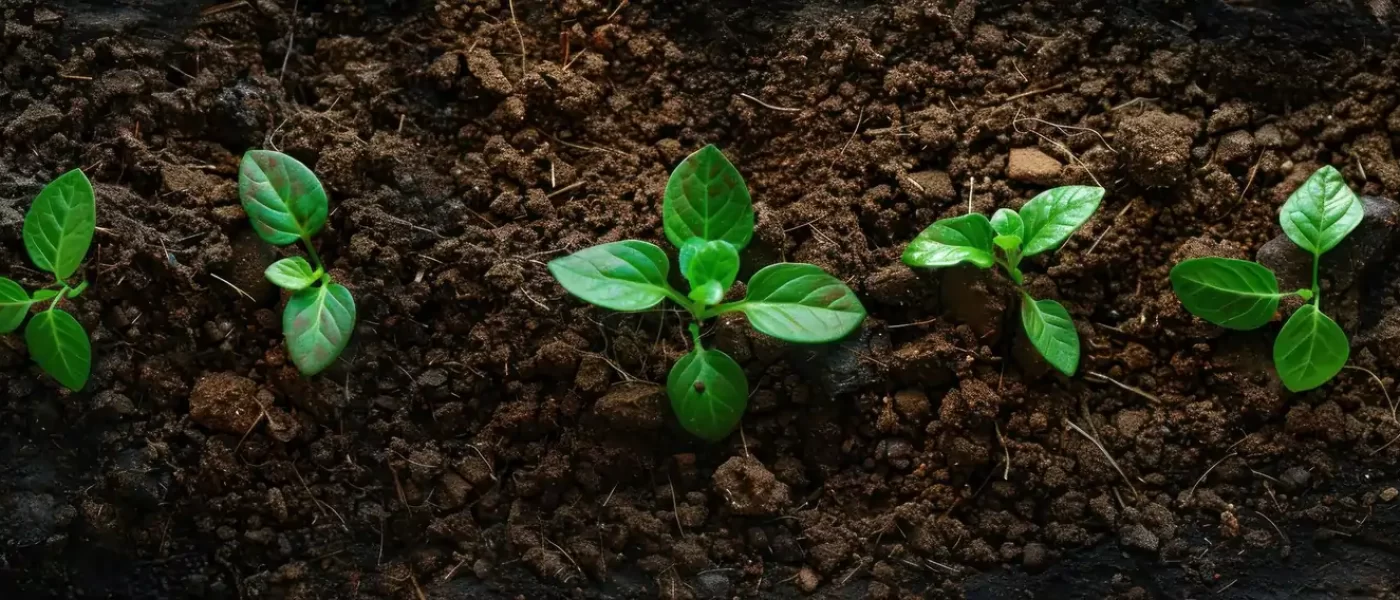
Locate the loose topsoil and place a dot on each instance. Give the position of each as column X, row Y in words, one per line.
column 488, row 436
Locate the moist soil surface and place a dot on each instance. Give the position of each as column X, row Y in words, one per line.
column 488, row 436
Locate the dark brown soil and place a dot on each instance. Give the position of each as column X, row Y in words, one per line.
column 487, row 436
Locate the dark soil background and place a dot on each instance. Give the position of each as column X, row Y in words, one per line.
column 487, row 436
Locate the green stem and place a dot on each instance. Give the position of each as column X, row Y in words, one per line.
column 311, row 252
column 1317, row 289
column 58, row 296
column 695, row 335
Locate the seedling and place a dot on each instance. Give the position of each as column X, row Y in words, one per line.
column 286, row 204
column 57, row 232
column 1238, row 294
column 708, row 214
column 1041, row 226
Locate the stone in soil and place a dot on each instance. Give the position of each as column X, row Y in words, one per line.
column 749, row 488
column 633, row 407
column 225, row 402
column 1389, row 494
column 1033, row 166
column 1157, row 146
column 808, row 580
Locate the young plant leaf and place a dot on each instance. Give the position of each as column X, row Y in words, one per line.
column 706, row 198
column 291, row 274
column 41, row 295
column 1310, row 349
column 60, row 345
column 709, row 393
column 1320, row 213
column 317, row 324
column 1054, row 214
column 72, row 292
column 59, row 225
column 1007, row 243
column 801, row 303
column 14, row 305
column 1236, row 294
column 283, row 198
column 1006, row 222
column 688, row 251
column 628, row 275
column 711, row 270
column 1051, row 331
column 951, row 241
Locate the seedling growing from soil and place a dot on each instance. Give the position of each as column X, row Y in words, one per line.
column 286, row 204
column 1041, row 226
column 707, row 213
column 1238, row 294
column 57, row 232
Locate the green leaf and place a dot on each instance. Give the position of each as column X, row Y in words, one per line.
column 799, row 302
column 60, row 345
column 627, row 275
column 41, row 295
column 951, row 241
column 706, row 198
column 1237, row 294
column 1321, row 212
column 1051, row 331
column 1007, row 243
column 709, row 393
column 688, row 251
column 58, row 227
column 711, row 270
column 1054, row 214
column 291, row 274
column 1310, row 349
column 1006, row 222
column 283, row 198
column 14, row 305
column 317, row 324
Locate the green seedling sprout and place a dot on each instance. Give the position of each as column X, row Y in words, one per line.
column 57, row 232
column 1044, row 223
column 1238, row 294
column 287, row 204
column 707, row 213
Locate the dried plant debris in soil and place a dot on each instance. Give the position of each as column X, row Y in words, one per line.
column 486, row 437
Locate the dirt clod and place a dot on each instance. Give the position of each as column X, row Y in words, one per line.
column 1033, row 166
column 225, row 402
column 749, row 488
column 633, row 407
column 1158, row 147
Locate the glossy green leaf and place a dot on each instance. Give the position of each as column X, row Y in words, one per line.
column 1310, row 349
column 283, row 198
column 1321, row 212
column 627, row 275
column 688, row 251
column 1006, row 222
column 291, row 273
column 14, row 305
column 709, row 393
column 1052, row 332
column 799, row 302
column 1237, row 294
column 41, row 295
column 60, row 345
column 706, row 198
column 951, row 241
column 1007, row 243
column 59, row 225
column 317, row 324
column 1053, row 215
column 711, row 270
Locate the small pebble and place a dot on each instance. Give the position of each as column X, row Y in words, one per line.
column 1389, row 494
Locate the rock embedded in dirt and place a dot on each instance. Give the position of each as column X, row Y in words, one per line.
column 749, row 488
column 1157, row 146
column 633, row 407
column 808, row 580
column 1033, row 166
column 225, row 402
column 1389, row 494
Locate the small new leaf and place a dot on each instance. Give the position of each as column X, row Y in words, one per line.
column 1006, row 222
column 1051, row 331
column 711, row 270
column 1310, row 349
column 291, row 274
column 629, row 275
column 1237, row 294
column 60, row 345
column 14, row 305
column 799, row 302
column 59, row 225
column 951, row 241
column 283, row 198
column 1051, row 216
column 706, row 198
column 1007, row 243
column 709, row 393
column 317, row 324
column 1320, row 213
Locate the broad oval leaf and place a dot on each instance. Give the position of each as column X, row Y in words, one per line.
column 627, row 275
column 1006, row 222
column 951, row 241
column 317, row 324
column 14, row 305
column 1052, row 332
column 59, row 225
column 1053, row 215
column 1310, row 349
column 41, row 295
column 1007, row 243
column 706, row 198
column 291, row 274
column 711, row 270
column 1237, row 294
column 798, row 302
column 1321, row 212
column 60, row 345
column 283, row 198
column 709, row 393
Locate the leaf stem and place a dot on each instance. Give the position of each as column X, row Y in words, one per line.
column 695, row 335
column 311, row 252
column 58, row 296
column 1317, row 290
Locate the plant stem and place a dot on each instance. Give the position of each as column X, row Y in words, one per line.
column 311, row 252
column 1317, row 290
column 695, row 335
column 58, row 296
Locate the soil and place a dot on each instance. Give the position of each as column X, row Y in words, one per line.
column 487, row 436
